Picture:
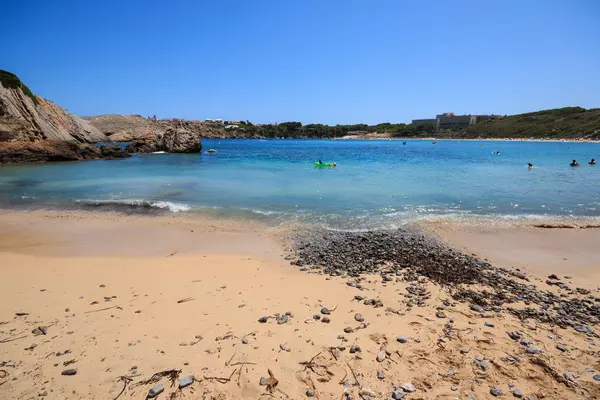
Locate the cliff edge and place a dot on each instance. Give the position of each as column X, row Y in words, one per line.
column 33, row 129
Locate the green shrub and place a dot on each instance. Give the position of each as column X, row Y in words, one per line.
column 11, row 81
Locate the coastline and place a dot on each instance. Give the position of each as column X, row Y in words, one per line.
column 200, row 286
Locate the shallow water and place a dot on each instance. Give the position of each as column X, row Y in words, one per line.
column 376, row 183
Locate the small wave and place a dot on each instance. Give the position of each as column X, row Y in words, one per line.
column 137, row 203
column 158, row 152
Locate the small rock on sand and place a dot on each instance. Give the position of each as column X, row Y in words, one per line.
column 69, row 372
column 325, row 311
column 495, row 392
column 156, row 390
column 262, row 320
column 316, row 317
column 454, row 388
column 381, row 356
column 354, row 349
column 517, row 393
column 476, row 308
column 380, row 375
column 402, row 339
column 325, row 320
column 187, row 381
column 310, row 393
column 348, row 329
column 398, row 394
column 440, row 314
column 596, row 377
column 408, row 387
column 358, row 317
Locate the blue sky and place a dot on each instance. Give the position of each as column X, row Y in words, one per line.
column 311, row 61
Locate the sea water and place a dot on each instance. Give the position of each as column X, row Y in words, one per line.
column 376, row 184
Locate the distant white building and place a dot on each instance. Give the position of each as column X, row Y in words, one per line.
column 214, row 121
column 231, row 126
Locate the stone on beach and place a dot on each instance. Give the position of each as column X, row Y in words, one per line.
column 381, row 356
column 156, row 390
column 69, row 372
column 186, row 381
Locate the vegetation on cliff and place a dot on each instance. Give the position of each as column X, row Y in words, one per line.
column 558, row 123
column 11, row 81
column 568, row 123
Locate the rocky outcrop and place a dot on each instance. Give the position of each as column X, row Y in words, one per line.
column 181, row 141
column 33, row 129
column 171, row 141
column 54, row 150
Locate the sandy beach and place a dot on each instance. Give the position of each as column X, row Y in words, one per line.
column 129, row 302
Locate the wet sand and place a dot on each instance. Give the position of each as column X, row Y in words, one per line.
column 164, row 294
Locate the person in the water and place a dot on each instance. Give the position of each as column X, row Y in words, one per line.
column 529, row 165
column 320, row 162
column 592, row 162
column 574, row 164
column 335, row 164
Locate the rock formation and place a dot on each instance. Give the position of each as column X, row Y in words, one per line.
column 33, row 129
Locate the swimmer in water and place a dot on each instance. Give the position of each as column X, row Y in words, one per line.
column 529, row 165
column 574, row 164
column 592, row 162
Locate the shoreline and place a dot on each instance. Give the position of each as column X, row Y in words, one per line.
column 130, row 296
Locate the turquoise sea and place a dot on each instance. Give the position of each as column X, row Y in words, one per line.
column 377, row 183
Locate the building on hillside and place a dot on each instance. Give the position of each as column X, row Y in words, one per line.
column 449, row 120
column 231, row 126
column 214, row 121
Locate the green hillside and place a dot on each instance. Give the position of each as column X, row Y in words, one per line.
column 568, row 123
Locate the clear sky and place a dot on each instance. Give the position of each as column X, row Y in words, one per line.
column 322, row 61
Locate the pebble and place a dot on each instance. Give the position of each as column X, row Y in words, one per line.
column 262, row 320
column 381, row 356
column 310, row 393
column 514, row 335
column 282, row 347
column 138, row 311
column 341, row 337
column 69, row 372
column 244, row 341
column 570, row 376
column 380, row 375
column 525, row 342
column 187, row 381
column 408, row 387
column 358, row 317
column 453, row 388
column 282, row 319
column 316, row 317
column 488, row 324
column 156, row 390
column 482, row 364
column 348, row 329
column 440, row 314
column 264, row 381
column 402, row 339
column 532, row 350
column 398, row 395
column 476, row 308
column 596, row 377
column 354, row 349
column 325, row 311
column 495, row 392
column 325, row 320
column 359, row 298
column 517, row 393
